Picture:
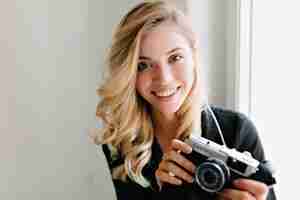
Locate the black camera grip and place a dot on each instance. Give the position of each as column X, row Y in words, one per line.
column 264, row 174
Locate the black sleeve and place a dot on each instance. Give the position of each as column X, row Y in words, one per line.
column 124, row 190
column 247, row 139
column 130, row 190
column 239, row 132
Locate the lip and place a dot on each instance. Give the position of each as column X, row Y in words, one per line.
column 167, row 98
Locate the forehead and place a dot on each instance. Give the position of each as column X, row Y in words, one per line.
column 162, row 39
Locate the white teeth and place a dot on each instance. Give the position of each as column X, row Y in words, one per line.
column 166, row 93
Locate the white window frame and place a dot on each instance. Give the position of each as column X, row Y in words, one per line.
column 244, row 55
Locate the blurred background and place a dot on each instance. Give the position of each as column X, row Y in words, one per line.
column 51, row 58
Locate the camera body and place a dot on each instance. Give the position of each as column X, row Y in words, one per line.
column 217, row 166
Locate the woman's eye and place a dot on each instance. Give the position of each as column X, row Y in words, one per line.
column 142, row 66
column 175, row 58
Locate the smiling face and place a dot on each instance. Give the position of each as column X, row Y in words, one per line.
column 166, row 69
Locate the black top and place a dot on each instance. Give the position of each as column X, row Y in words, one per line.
column 239, row 133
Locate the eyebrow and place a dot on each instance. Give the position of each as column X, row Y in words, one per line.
column 167, row 53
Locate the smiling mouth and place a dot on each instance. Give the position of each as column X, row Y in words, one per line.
column 166, row 93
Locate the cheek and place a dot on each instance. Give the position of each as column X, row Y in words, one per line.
column 187, row 74
column 141, row 84
column 138, row 85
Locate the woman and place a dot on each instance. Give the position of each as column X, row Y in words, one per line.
column 152, row 99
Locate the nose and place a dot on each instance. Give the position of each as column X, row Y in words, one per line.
column 163, row 73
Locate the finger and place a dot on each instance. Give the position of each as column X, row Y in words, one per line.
column 176, row 170
column 182, row 146
column 219, row 197
column 258, row 189
column 236, row 194
column 166, row 178
column 181, row 161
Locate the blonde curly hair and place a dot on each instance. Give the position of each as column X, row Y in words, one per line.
column 127, row 124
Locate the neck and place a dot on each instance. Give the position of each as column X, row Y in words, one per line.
column 165, row 129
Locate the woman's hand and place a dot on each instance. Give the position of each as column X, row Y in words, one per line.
column 174, row 167
column 245, row 189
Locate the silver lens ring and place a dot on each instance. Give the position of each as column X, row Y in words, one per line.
column 210, row 170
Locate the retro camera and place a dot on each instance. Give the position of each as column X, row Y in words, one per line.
column 217, row 166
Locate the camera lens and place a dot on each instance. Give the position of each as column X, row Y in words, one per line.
column 212, row 175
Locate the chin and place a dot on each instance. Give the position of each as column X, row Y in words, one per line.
column 169, row 112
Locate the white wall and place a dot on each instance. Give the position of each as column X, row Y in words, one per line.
column 45, row 153
column 8, row 93
column 275, row 88
column 215, row 22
